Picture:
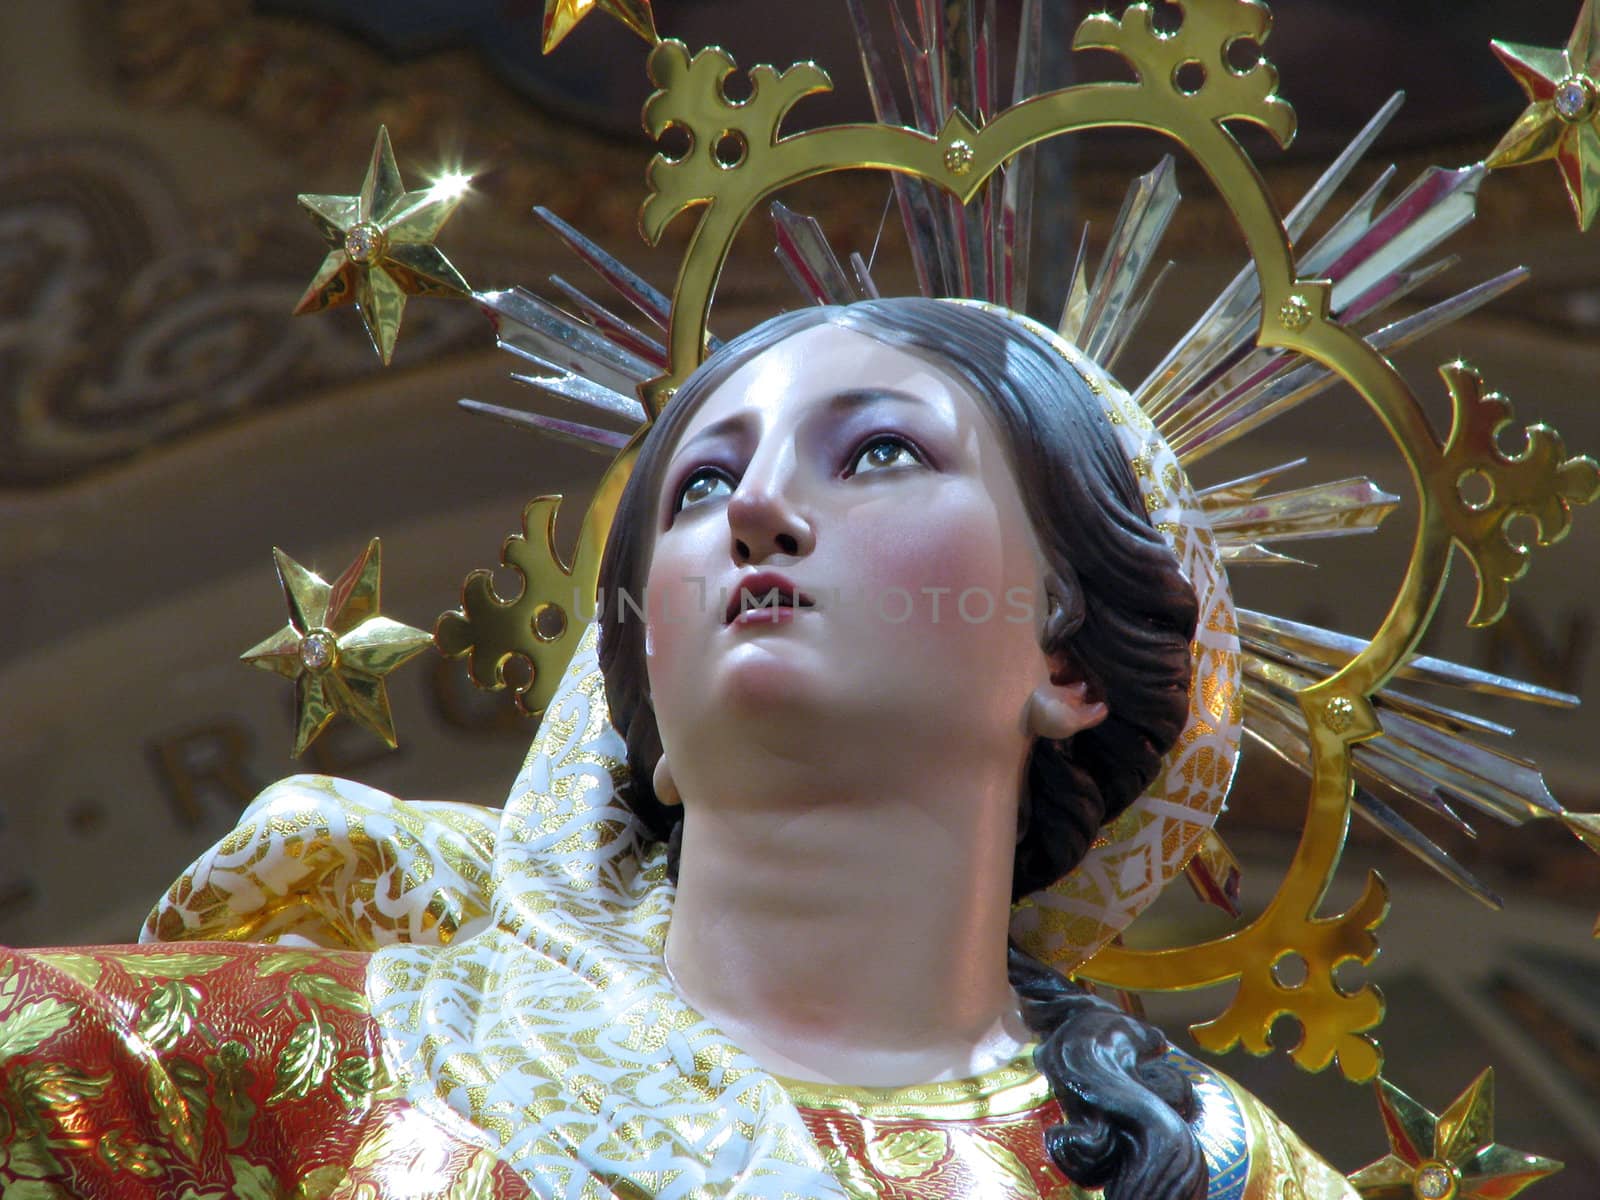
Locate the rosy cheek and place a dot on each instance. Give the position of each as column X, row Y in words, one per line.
column 920, row 569
column 676, row 594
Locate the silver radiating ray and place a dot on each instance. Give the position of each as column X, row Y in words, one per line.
column 863, row 276
column 804, row 251
column 1146, row 211
column 649, row 300
column 986, row 86
column 1251, row 555
column 916, row 209
column 924, row 84
column 1361, row 255
column 1440, row 202
column 1316, row 644
column 604, row 377
column 1237, row 368
column 1328, row 183
column 1233, row 314
column 1237, row 491
column 587, row 437
column 1452, row 720
column 630, row 337
column 986, row 66
column 957, row 25
column 1278, row 684
column 541, row 332
column 1395, row 287
column 1391, row 777
column 958, row 28
column 1017, row 198
column 1076, row 305
column 1250, row 411
column 1408, row 836
column 930, row 39
column 1340, row 507
column 1276, row 727
column 1511, row 781
column 1414, row 748
column 571, row 388
column 1134, row 318
column 1347, row 230
column 1245, row 372
column 1488, row 795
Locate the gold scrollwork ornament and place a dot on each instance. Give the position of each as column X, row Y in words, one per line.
column 1335, row 1020
column 1186, row 89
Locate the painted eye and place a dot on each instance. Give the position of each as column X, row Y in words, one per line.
column 885, row 452
column 707, row 483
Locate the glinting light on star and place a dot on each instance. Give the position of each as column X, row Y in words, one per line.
column 380, row 246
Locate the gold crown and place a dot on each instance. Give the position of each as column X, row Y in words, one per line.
column 1281, row 332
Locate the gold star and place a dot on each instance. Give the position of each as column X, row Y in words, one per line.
column 380, row 247
column 1563, row 119
column 561, row 16
column 1452, row 1156
column 336, row 647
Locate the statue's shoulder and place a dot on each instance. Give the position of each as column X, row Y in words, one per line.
column 336, row 863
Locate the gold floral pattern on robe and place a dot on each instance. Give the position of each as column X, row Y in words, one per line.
column 208, row 1073
column 549, row 1028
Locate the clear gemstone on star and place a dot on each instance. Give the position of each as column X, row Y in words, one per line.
column 364, row 243
column 318, row 651
column 1574, row 98
column 1433, row 1181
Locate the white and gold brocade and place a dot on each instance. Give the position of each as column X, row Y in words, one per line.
column 547, row 1030
column 336, row 863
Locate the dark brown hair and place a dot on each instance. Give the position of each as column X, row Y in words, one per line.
column 1121, row 617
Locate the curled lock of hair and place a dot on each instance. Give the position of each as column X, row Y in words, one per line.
column 1127, row 1106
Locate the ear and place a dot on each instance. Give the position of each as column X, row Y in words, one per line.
column 1061, row 707
column 666, row 788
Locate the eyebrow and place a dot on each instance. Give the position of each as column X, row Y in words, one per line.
column 836, row 405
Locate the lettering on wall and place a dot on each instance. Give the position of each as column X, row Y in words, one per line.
column 204, row 763
column 205, row 771
column 343, row 748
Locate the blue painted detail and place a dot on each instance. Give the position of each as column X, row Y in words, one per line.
column 1222, row 1131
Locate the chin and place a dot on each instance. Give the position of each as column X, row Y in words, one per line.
column 757, row 678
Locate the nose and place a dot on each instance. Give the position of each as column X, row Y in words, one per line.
column 765, row 516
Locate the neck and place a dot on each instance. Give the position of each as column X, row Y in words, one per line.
column 848, row 933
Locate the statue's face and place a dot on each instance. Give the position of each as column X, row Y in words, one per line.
column 841, row 547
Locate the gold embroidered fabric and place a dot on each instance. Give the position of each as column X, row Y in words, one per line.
column 984, row 1135
column 335, row 863
column 1010, row 1088
column 207, row 1072
column 547, row 1024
